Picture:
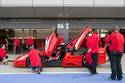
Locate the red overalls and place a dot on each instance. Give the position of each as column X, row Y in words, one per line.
column 35, row 58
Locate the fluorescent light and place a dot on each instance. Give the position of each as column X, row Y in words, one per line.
column 98, row 22
column 27, row 22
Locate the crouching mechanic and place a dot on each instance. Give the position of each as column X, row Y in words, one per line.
column 3, row 56
column 35, row 60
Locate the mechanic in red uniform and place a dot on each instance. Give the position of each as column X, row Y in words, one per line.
column 124, row 40
column 35, row 60
column 107, row 46
column 92, row 44
column 3, row 56
column 60, row 40
column 116, row 41
column 17, row 44
column 60, row 45
column 29, row 42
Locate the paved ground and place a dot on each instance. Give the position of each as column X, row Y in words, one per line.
column 58, row 78
column 10, row 74
column 11, row 69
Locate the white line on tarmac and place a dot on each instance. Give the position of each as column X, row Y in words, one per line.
column 54, row 73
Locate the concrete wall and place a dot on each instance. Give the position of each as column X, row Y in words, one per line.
column 109, row 2
column 62, row 2
column 16, row 2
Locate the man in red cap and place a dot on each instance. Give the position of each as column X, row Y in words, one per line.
column 35, row 60
column 3, row 56
column 92, row 44
column 116, row 45
column 17, row 45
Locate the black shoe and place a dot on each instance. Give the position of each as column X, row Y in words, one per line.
column 38, row 72
column 119, row 77
column 92, row 72
column 112, row 78
column 95, row 73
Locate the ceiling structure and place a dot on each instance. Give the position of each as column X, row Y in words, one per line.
column 62, row 12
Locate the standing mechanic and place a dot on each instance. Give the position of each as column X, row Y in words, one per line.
column 107, row 46
column 92, row 44
column 60, row 43
column 17, row 44
column 29, row 42
column 116, row 50
column 60, row 40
